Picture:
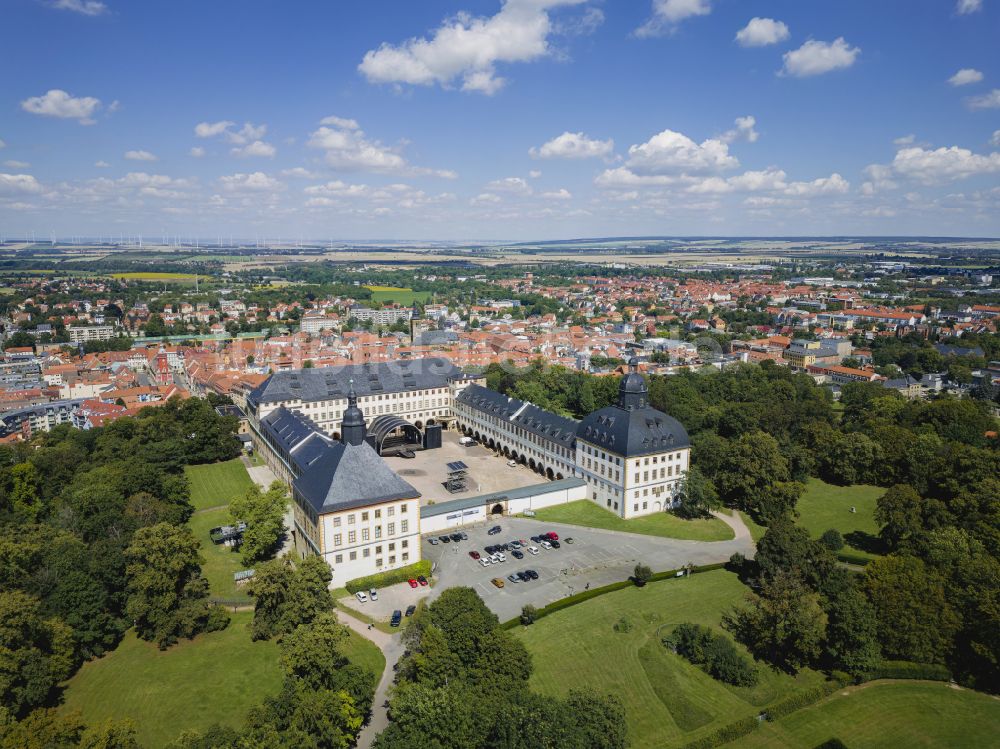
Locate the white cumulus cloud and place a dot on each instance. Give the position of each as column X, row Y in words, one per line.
column 18, row 183
column 985, row 101
column 102, row 164
column 346, row 147
column 58, row 103
column 995, row 140
column 253, row 182
column 668, row 13
column 672, row 152
column 83, row 7
column 256, row 148
column 965, row 76
column 744, row 130
column 965, row 7
column 573, row 146
column 816, row 58
column 760, row 32
column 561, row 194
column 197, row 152
column 467, row 48
column 140, row 156
column 943, row 164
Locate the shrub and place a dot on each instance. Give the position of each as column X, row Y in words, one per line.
column 385, row 579
column 736, row 562
column 800, row 700
column 623, row 625
column 908, row 670
column 832, row 540
column 528, row 614
column 832, row 744
column 642, row 574
column 728, row 733
column 713, row 653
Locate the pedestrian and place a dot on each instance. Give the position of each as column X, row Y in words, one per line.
column 587, row 586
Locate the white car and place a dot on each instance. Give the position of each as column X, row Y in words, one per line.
column 501, row 556
column 485, row 561
column 512, row 463
column 360, row 595
column 545, row 544
column 532, row 549
column 373, row 594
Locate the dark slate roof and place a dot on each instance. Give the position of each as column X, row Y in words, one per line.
column 348, row 476
column 301, row 438
column 632, row 432
column 547, row 425
column 947, row 349
column 332, row 383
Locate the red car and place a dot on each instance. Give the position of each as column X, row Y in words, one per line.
column 412, row 582
column 552, row 536
column 474, row 554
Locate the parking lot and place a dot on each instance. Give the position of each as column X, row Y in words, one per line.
column 596, row 557
column 389, row 599
column 427, row 471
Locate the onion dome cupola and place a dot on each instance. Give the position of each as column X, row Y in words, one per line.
column 352, row 427
column 632, row 390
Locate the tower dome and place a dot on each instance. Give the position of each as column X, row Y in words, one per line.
column 352, row 426
column 632, row 390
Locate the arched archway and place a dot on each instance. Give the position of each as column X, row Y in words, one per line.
column 531, row 463
column 559, row 477
column 476, row 436
column 431, row 422
column 492, row 444
column 549, row 474
column 497, row 509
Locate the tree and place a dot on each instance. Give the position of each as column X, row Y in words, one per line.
column 24, row 495
column 641, row 574
column 783, row 625
column 287, row 596
column 852, row 643
column 899, row 512
column 111, row 734
column 269, row 587
column 312, row 653
column 528, row 614
column 36, row 653
column 753, row 476
column 263, row 513
column 167, row 596
column 915, row 620
column 832, row 540
column 308, row 594
column 787, row 547
column 698, row 496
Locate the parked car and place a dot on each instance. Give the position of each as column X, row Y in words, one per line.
column 511, row 463
column 466, row 441
column 410, row 610
column 497, row 581
column 432, row 541
column 444, row 539
column 397, row 616
column 545, row 544
column 464, row 536
column 408, row 454
column 517, row 554
column 494, row 530
column 555, row 544
column 360, row 595
column 501, row 556
column 412, row 582
column 456, row 537
column 532, row 550
column 422, row 580
column 474, row 554
column 485, row 561
column 532, row 574
column 374, row 594
column 513, row 578
column 568, row 540
column 552, row 536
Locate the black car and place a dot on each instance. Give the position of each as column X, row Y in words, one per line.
column 408, row 454
column 523, row 577
column 494, row 530
column 490, row 549
column 536, row 539
column 555, row 544
column 532, row 574
column 410, row 609
column 421, row 579
column 444, row 539
column 464, row 536
column 518, row 554
column 455, row 537
column 397, row 616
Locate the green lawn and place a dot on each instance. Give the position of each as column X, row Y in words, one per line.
column 214, row 678
column 404, row 297
column 668, row 701
column 888, row 713
column 216, row 484
column 213, row 486
column 584, row 512
column 824, row 506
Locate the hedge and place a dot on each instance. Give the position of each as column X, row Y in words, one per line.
column 802, row 699
column 385, row 579
column 907, row 670
column 849, row 558
column 730, row 732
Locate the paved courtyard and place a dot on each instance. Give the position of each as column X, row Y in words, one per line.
column 487, row 472
column 597, row 557
column 389, row 599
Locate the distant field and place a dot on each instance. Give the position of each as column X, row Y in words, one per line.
column 214, row 678
column 586, row 513
column 396, row 294
column 824, row 506
column 668, row 701
column 154, row 276
column 888, row 713
column 213, row 486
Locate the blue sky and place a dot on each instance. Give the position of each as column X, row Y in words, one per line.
column 482, row 119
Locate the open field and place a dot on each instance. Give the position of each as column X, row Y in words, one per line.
column 213, row 486
column 668, row 701
column 888, row 713
column 217, row 484
column 588, row 514
column 824, row 506
column 155, row 276
column 405, row 297
column 214, row 678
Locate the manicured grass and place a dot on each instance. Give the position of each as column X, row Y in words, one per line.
column 756, row 531
column 405, row 297
column 213, row 486
column 668, row 701
column 155, row 276
column 585, row 512
column 217, row 484
column 824, row 506
column 214, row 678
column 888, row 713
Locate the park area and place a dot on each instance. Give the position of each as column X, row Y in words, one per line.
column 668, row 525
column 668, row 701
column 401, row 296
column 214, row 678
column 213, row 487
